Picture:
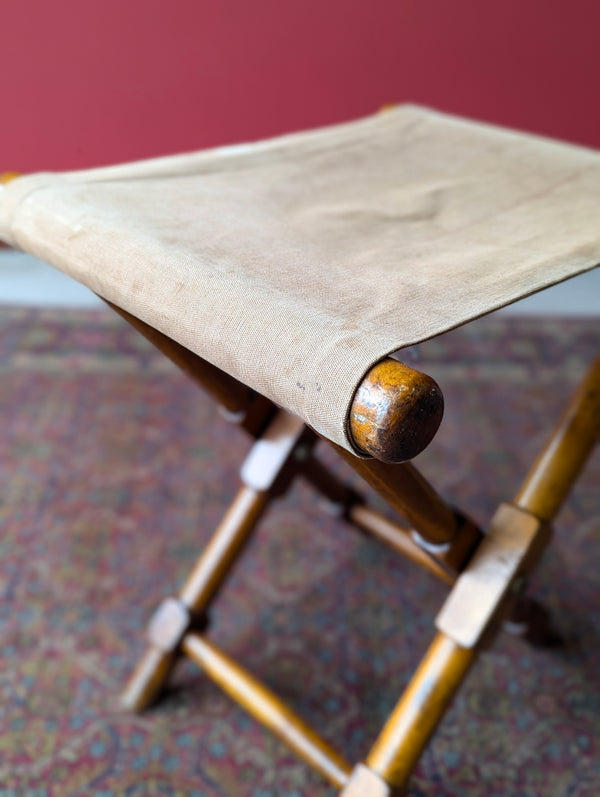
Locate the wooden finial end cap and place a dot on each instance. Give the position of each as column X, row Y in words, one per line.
column 396, row 412
column 6, row 177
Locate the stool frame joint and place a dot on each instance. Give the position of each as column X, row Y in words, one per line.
column 171, row 621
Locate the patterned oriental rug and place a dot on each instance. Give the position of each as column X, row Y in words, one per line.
column 114, row 469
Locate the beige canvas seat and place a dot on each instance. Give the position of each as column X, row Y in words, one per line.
column 281, row 275
column 297, row 263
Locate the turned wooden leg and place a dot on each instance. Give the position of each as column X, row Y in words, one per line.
column 512, row 544
column 517, row 537
column 547, row 485
column 176, row 616
column 267, row 708
column 149, row 678
column 556, row 469
column 415, row 718
column 261, row 473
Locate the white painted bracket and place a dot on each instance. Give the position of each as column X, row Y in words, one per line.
column 169, row 624
column 270, row 453
column 366, row 783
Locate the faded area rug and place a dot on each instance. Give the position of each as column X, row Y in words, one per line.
column 114, row 468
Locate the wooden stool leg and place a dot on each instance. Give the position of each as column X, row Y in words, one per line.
column 199, row 590
column 419, row 711
column 517, row 537
column 257, row 699
column 149, row 678
column 546, row 486
column 554, row 472
column 264, row 473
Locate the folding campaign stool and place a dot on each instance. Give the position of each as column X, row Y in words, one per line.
column 281, row 275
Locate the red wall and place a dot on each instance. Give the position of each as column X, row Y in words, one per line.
column 87, row 82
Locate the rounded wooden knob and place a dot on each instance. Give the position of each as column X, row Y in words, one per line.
column 6, row 177
column 396, row 412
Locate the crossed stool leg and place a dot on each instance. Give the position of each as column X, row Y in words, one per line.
column 517, row 536
column 487, row 573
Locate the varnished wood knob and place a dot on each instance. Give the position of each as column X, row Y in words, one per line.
column 396, row 412
column 6, row 177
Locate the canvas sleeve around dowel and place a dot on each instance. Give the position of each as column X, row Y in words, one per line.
column 295, row 264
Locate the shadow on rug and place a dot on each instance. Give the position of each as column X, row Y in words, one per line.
column 114, row 469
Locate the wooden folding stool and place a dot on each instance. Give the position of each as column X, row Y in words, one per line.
column 280, row 276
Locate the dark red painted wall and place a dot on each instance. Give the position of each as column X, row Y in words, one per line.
column 87, row 82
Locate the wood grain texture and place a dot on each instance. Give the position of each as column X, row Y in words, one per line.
column 398, row 538
column 231, row 394
column 510, row 549
column 223, row 549
column 556, row 469
column 267, row 708
column 237, row 401
column 149, row 678
column 418, row 713
column 201, row 587
column 410, row 494
column 396, row 412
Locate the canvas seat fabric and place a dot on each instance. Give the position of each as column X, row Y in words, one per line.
column 296, row 263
